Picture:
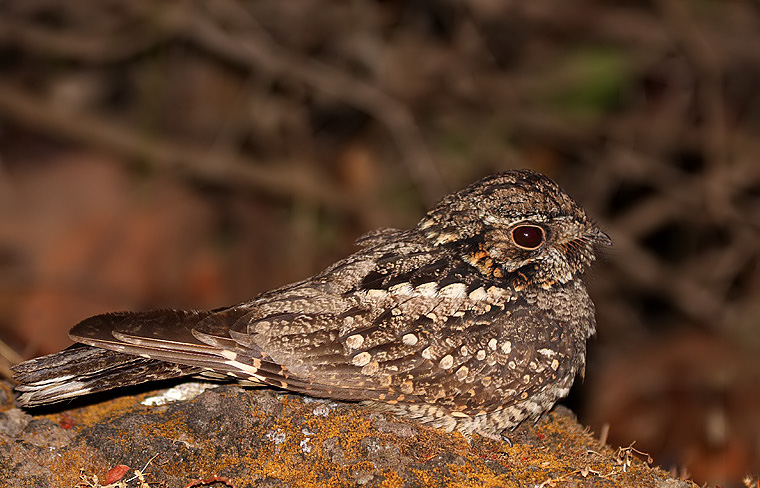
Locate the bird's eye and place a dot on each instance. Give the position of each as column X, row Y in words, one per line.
column 528, row 236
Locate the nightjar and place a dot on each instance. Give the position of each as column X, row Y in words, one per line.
column 475, row 319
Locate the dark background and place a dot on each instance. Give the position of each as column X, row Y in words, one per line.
column 193, row 154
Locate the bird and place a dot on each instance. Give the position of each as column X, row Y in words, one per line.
column 473, row 320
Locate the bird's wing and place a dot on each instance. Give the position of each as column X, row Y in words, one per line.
column 165, row 335
column 391, row 325
column 464, row 353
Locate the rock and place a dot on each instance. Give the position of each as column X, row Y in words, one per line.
column 260, row 437
column 46, row 434
column 13, row 422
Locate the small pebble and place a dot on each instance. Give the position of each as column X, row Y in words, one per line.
column 321, row 410
column 277, row 437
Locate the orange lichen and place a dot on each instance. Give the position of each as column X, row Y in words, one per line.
column 92, row 414
column 305, row 450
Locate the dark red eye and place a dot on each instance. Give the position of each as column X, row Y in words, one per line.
column 528, row 236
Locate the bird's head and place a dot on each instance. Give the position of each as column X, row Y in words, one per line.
column 518, row 225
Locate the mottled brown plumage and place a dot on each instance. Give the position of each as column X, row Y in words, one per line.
column 474, row 320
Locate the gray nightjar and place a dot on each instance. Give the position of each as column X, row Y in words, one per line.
column 473, row 320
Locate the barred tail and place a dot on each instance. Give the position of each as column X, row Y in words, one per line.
column 81, row 370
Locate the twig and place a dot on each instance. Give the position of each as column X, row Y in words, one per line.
column 604, row 434
column 710, row 97
column 257, row 51
column 106, row 49
column 279, row 180
column 254, row 50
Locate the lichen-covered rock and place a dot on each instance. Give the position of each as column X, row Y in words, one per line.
column 245, row 438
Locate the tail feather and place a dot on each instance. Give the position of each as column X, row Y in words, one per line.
column 81, row 370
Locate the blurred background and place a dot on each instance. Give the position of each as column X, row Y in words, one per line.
column 193, row 154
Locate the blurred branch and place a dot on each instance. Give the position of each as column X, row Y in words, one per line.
column 254, row 50
column 709, row 69
column 644, row 269
column 70, row 44
column 250, row 48
column 8, row 357
column 634, row 28
column 96, row 130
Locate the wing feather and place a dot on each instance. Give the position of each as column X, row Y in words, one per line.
column 406, row 341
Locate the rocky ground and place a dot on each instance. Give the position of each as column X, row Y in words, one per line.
column 229, row 436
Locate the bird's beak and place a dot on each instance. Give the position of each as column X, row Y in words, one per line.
column 600, row 237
